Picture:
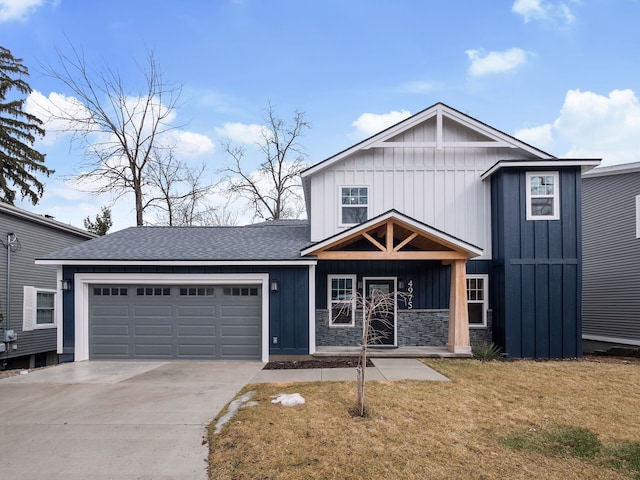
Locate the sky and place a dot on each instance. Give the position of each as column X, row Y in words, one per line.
column 563, row 76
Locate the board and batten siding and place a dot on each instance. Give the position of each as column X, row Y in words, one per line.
column 536, row 289
column 441, row 188
column 611, row 249
column 35, row 240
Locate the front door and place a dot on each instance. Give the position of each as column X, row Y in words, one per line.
column 381, row 296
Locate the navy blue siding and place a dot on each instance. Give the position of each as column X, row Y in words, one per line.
column 536, row 287
column 289, row 306
column 431, row 279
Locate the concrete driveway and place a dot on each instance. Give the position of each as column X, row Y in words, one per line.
column 112, row 420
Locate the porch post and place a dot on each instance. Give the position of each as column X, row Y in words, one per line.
column 458, row 341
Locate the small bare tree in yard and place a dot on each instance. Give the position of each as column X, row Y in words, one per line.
column 378, row 307
column 274, row 189
column 120, row 131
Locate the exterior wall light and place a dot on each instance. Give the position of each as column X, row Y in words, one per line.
column 274, row 285
column 65, row 284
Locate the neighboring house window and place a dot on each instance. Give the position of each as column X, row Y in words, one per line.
column 637, row 216
column 38, row 308
column 543, row 196
column 354, row 205
column 477, row 299
column 342, row 300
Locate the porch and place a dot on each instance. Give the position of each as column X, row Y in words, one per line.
column 399, row 352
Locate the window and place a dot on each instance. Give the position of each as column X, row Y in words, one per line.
column 240, row 291
column 38, row 308
column 342, row 300
column 477, row 299
column 153, row 292
column 197, row 292
column 45, row 309
column 543, row 194
column 354, row 203
column 106, row 291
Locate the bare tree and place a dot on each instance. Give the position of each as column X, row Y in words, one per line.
column 120, row 131
column 274, row 189
column 181, row 194
column 377, row 308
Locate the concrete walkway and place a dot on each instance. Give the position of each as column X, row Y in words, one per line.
column 390, row 369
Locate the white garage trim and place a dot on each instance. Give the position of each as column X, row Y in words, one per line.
column 312, row 309
column 83, row 280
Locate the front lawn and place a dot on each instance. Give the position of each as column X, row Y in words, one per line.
column 494, row 420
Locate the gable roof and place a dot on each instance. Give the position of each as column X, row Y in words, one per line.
column 428, row 239
column 268, row 242
column 490, row 137
column 480, row 135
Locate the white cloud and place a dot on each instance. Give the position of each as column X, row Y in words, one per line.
column 17, row 9
column 369, row 124
column 543, row 10
column 495, row 62
column 241, row 132
column 49, row 109
column 540, row 137
column 191, row 144
column 596, row 126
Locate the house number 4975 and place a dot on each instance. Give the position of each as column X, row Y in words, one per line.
column 410, row 295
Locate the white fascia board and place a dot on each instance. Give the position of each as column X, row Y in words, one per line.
column 585, row 164
column 233, row 263
column 47, row 222
column 371, row 141
column 613, row 170
column 472, row 249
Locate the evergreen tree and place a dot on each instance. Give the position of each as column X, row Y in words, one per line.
column 19, row 162
column 102, row 224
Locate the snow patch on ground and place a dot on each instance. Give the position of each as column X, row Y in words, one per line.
column 234, row 406
column 289, row 399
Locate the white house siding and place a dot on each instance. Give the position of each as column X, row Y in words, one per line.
column 441, row 188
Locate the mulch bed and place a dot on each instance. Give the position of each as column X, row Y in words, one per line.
column 329, row 362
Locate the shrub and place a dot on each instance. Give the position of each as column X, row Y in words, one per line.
column 486, row 351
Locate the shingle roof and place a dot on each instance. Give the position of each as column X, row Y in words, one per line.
column 278, row 241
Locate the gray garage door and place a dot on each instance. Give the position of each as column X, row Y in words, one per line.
column 169, row 321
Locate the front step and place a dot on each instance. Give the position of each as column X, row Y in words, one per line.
column 399, row 352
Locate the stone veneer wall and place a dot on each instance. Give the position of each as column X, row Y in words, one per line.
column 426, row 328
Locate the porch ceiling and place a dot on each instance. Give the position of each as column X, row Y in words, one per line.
column 392, row 238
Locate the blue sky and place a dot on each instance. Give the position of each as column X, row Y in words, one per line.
column 561, row 75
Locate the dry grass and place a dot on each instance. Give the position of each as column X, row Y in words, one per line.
column 440, row 430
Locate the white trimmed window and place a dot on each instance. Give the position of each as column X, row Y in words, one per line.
column 342, row 300
column 543, row 196
column 38, row 308
column 354, row 205
column 477, row 299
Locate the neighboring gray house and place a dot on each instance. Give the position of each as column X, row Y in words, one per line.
column 611, row 253
column 30, row 318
